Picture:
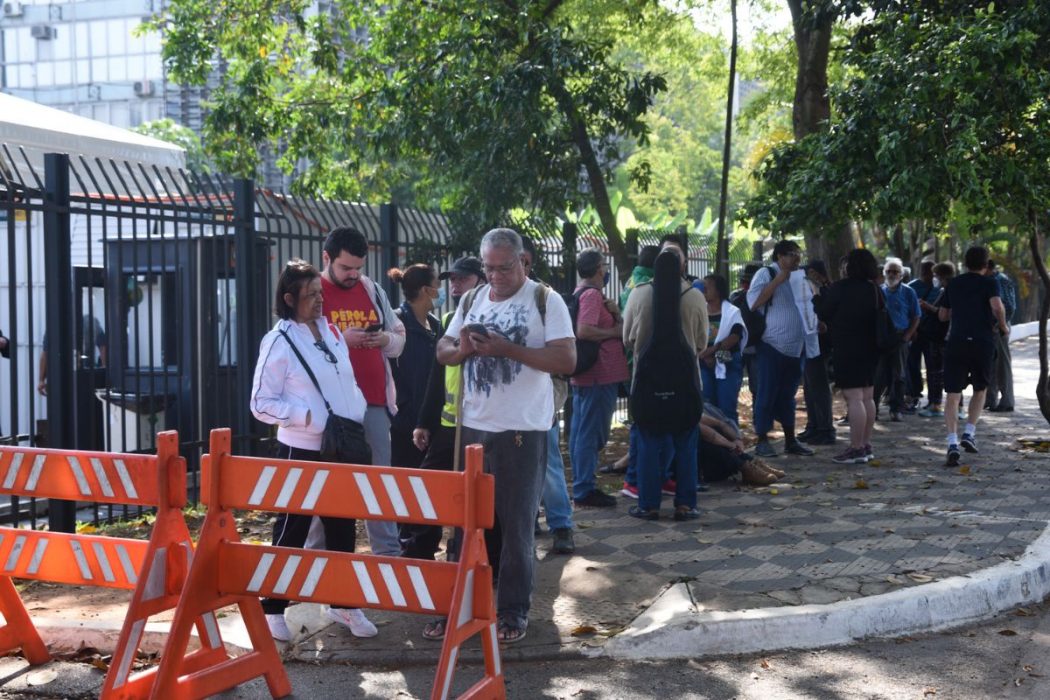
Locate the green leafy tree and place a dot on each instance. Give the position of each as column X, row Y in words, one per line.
column 167, row 130
column 491, row 104
column 947, row 109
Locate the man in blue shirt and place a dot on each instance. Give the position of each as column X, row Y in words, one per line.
column 903, row 306
column 1000, row 396
column 786, row 343
column 920, row 348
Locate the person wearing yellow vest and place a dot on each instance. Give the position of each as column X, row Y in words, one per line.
column 435, row 432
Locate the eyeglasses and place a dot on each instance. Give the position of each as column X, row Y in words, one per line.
column 501, row 269
column 328, row 354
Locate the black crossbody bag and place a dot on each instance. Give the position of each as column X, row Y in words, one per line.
column 343, row 439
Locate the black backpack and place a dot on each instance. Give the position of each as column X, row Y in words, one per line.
column 665, row 391
column 586, row 350
column 754, row 320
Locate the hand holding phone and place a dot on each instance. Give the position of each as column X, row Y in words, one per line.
column 478, row 328
column 374, row 328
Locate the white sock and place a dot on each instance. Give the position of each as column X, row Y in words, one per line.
column 971, row 429
column 953, row 439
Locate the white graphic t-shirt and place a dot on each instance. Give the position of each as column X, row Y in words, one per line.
column 502, row 394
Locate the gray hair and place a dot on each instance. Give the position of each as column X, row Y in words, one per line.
column 502, row 238
column 893, row 261
column 588, row 261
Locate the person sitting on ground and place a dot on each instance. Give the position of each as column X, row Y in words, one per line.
column 849, row 309
column 720, row 453
column 722, row 364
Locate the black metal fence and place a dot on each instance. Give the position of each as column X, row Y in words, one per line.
column 135, row 298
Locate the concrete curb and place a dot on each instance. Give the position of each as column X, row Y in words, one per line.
column 674, row 626
column 1023, row 330
column 67, row 636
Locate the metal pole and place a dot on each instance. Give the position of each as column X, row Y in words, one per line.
column 248, row 332
column 58, row 275
column 388, row 250
column 722, row 247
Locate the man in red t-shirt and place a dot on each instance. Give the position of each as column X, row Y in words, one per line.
column 361, row 311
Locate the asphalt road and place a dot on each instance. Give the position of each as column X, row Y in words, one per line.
column 1006, row 657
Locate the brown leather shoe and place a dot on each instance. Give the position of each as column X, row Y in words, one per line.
column 751, row 472
column 779, row 473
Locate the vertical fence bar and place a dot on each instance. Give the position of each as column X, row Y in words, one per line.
column 249, row 335
column 388, row 251
column 59, row 276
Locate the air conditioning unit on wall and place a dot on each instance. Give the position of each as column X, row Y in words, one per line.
column 44, row 32
column 13, row 9
column 145, row 88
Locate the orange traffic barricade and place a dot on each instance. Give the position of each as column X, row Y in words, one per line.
column 226, row 571
column 154, row 569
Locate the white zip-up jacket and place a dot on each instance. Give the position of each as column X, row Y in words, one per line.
column 283, row 393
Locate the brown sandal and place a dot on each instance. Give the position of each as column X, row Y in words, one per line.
column 435, row 630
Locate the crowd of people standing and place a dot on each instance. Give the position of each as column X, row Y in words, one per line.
column 498, row 368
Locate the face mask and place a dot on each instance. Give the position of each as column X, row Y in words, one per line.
column 442, row 297
column 605, row 280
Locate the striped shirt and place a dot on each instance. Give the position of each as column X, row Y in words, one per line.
column 784, row 330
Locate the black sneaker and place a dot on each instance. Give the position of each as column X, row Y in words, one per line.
column 596, row 499
column 765, row 450
column 819, row 440
column 953, row 455
column 563, row 543
column 969, row 443
column 797, row 448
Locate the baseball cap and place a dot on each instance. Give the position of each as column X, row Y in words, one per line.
column 466, row 265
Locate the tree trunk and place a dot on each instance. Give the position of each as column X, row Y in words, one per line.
column 1042, row 389
column 596, row 179
column 812, row 108
column 722, row 244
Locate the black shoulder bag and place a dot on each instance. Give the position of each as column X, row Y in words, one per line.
column 343, row 439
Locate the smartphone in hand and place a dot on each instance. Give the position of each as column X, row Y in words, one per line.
column 478, row 328
column 374, row 328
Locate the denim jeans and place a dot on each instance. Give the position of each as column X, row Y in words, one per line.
column 555, row 490
column 655, row 452
column 592, row 410
column 778, row 379
column 631, row 477
column 724, row 393
column 382, row 534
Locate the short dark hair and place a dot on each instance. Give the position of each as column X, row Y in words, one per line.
column 413, row 278
column 749, row 272
column 345, row 239
column 992, row 264
column 647, row 255
column 720, row 283
column 296, row 272
column 588, row 262
column 976, row 258
column 783, row 247
column 944, row 269
column 861, row 265
column 678, row 239
column 926, row 266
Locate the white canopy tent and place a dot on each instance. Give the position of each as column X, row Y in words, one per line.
column 38, row 129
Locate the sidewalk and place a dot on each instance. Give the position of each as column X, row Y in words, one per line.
column 834, row 553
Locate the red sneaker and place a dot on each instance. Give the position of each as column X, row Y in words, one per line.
column 668, row 489
column 629, row 490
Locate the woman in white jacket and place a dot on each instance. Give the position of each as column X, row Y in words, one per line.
column 722, row 364
column 283, row 394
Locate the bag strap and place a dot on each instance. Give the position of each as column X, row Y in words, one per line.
column 306, row 366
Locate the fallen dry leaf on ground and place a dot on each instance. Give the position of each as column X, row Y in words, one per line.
column 584, row 631
column 1008, row 633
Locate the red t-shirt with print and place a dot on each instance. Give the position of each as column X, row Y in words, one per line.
column 352, row 308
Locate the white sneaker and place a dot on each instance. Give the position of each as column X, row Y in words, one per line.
column 355, row 620
column 278, row 627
